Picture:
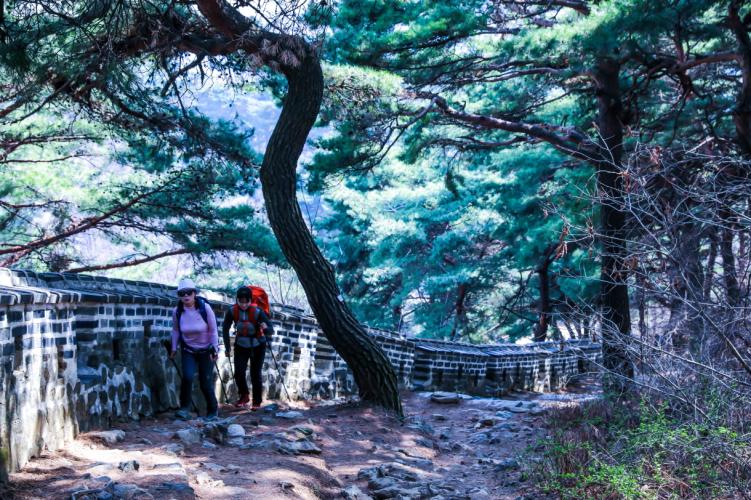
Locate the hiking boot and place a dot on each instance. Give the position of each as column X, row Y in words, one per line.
column 243, row 401
column 211, row 416
column 183, row 414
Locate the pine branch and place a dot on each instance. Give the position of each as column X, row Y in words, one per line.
column 130, row 262
column 567, row 140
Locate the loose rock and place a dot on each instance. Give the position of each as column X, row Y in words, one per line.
column 129, row 491
column 184, row 490
column 205, row 479
column 100, row 468
column 446, row 398
column 286, row 485
column 355, row 493
column 129, row 466
column 271, row 408
column 381, row 483
column 424, row 442
column 235, row 430
column 421, row 426
column 189, row 436
column 109, row 437
column 396, row 492
column 304, row 430
column 173, row 466
column 290, row 415
column 213, row 467
column 487, row 422
column 236, row 441
column 517, row 409
column 478, row 493
column 507, row 464
column 261, row 444
column 173, row 449
column 297, row 447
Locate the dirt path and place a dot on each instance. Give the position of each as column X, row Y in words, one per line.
column 470, row 450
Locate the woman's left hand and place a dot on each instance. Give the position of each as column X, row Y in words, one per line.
column 214, row 357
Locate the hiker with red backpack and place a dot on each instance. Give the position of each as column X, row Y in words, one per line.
column 250, row 315
column 194, row 332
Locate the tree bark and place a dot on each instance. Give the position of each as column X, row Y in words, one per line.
column 685, row 323
column 541, row 330
column 742, row 111
column 616, row 324
column 711, row 258
column 373, row 372
column 729, row 273
column 742, row 120
column 293, row 57
column 459, row 310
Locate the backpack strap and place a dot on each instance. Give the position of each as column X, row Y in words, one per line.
column 253, row 315
column 256, row 314
column 201, row 306
column 178, row 314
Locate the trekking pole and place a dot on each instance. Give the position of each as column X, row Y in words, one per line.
column 168, row 347
column 216, row 365
column 231, row 368
column 279, row 372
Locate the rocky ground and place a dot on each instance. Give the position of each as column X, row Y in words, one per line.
column 449, row 446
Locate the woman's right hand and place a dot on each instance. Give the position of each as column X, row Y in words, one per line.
column 172, row 354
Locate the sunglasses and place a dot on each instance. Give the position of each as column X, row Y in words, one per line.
column 243, row 299
column 185, row 293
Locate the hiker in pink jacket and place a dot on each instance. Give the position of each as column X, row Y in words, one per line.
column 194, row 332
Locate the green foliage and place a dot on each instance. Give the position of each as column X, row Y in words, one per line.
column 408, row 245
column 610, row 450
column 433, row 224
column 185, row 195
column 113, row 132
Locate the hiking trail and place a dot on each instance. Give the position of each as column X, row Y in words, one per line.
column 449, row 446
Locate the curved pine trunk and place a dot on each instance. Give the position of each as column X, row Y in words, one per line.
column 374, row 375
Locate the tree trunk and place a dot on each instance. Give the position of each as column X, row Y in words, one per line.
column 374, row 375
column 729, row 273
column 711, row 258
column 742, row 120
column 685, row 324
column 616, row 324
column 459, row 310
column 742, row 111
column 642, row 294
column 541, row 330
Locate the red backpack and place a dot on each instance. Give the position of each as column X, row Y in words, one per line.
column 259, row 298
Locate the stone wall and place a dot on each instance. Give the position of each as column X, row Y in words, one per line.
column 79, row 352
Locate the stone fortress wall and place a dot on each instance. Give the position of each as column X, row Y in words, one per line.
column 79, row 352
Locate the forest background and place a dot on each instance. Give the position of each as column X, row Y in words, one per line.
column 481, row 171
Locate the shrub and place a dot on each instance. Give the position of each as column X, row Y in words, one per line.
column 638, row 450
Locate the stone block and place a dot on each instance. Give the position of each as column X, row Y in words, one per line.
column 80, row 324
column 14, row 316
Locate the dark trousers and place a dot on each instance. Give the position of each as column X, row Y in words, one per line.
column 255, row 355
column 202, row 363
